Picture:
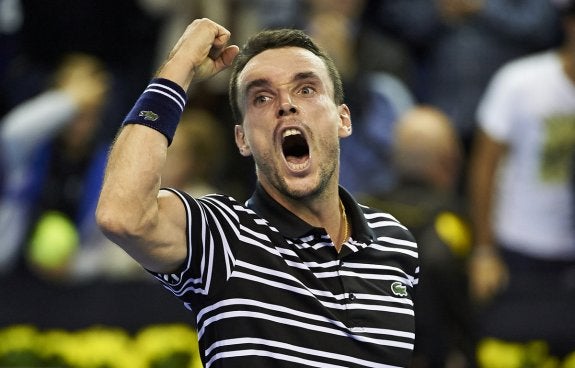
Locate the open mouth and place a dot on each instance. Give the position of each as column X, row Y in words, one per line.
column 295, row 149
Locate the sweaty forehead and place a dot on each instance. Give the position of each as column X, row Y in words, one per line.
column 281, row 65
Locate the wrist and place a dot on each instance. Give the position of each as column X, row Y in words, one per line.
column 178, row 71
column 160, row 107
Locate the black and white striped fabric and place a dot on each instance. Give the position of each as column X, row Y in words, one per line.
column 269, row 290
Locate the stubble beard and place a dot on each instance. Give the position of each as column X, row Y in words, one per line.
column 327, row 170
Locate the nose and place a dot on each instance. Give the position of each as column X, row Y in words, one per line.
column 286, row 108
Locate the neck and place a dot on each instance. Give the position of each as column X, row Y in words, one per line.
column 343, row 228
column 320, row 210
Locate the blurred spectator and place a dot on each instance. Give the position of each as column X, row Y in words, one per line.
column 280, row 13
column 376, row 99
column 456, row 45
column 427, row 156
column 54, row 168
column 523, row 264
column 51, row 29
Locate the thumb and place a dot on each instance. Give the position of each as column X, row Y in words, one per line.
column 223, row 58
column 229, row 54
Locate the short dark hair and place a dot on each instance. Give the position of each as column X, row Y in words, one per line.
column 275, row 39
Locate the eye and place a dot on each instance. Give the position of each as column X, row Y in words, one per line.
column 261, row 99
column 307, row 90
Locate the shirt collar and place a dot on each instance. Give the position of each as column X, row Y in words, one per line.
column 291, row 226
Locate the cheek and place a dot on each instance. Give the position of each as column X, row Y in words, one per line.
column 259, row 122
column 259, row 119
column 329, row 119
column 262, row 144
column 258, row 140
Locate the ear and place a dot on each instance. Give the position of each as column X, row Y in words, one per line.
column 344, row 121
column 241, row 141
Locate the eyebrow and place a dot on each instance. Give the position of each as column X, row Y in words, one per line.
column 263, row 82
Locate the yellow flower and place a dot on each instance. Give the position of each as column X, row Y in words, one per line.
column 569, row 361
column 160, row 341
column 104, row 347
column 494, row 353
column 18, row 338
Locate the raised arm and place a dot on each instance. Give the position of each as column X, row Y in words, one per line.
column 132, row 212
column 79, row 90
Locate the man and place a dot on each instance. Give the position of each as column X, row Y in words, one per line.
column 54, row 168
column 427, row 157
column 447, row 36
column 521, row 197
column 301, row 275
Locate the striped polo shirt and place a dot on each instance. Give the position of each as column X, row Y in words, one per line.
column 269, row 290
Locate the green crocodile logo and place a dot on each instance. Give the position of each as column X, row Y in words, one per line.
column 399, row 289
column 149, row 115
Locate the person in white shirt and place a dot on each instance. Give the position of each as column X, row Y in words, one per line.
column 521, row 198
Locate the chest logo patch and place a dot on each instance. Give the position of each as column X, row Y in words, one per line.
column 399, row 289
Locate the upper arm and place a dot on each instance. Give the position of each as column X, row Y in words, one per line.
column 159, row 244
column 171, row 235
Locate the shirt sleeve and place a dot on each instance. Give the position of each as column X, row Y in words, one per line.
column 496, row 108
column 212, row 233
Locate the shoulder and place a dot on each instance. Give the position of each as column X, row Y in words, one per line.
column 216, row 199
column 392, row 243
column 526, row 68
column 385, row 225
column 207, row 206
column 374, row 215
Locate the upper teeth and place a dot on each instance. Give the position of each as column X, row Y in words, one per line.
column 289, row 132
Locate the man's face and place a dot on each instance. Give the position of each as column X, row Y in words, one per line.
column 291, row 123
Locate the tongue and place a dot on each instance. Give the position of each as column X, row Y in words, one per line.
column 296, row 159
column 297, row 163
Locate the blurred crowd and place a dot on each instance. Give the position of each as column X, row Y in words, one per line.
column 463, row 117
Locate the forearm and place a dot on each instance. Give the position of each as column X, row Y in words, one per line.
column 481, row 205
column 132, row 212
column 132, row 181
column 487, row 271
column 483, row 165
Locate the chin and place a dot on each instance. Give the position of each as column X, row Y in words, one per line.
column 303, row 188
